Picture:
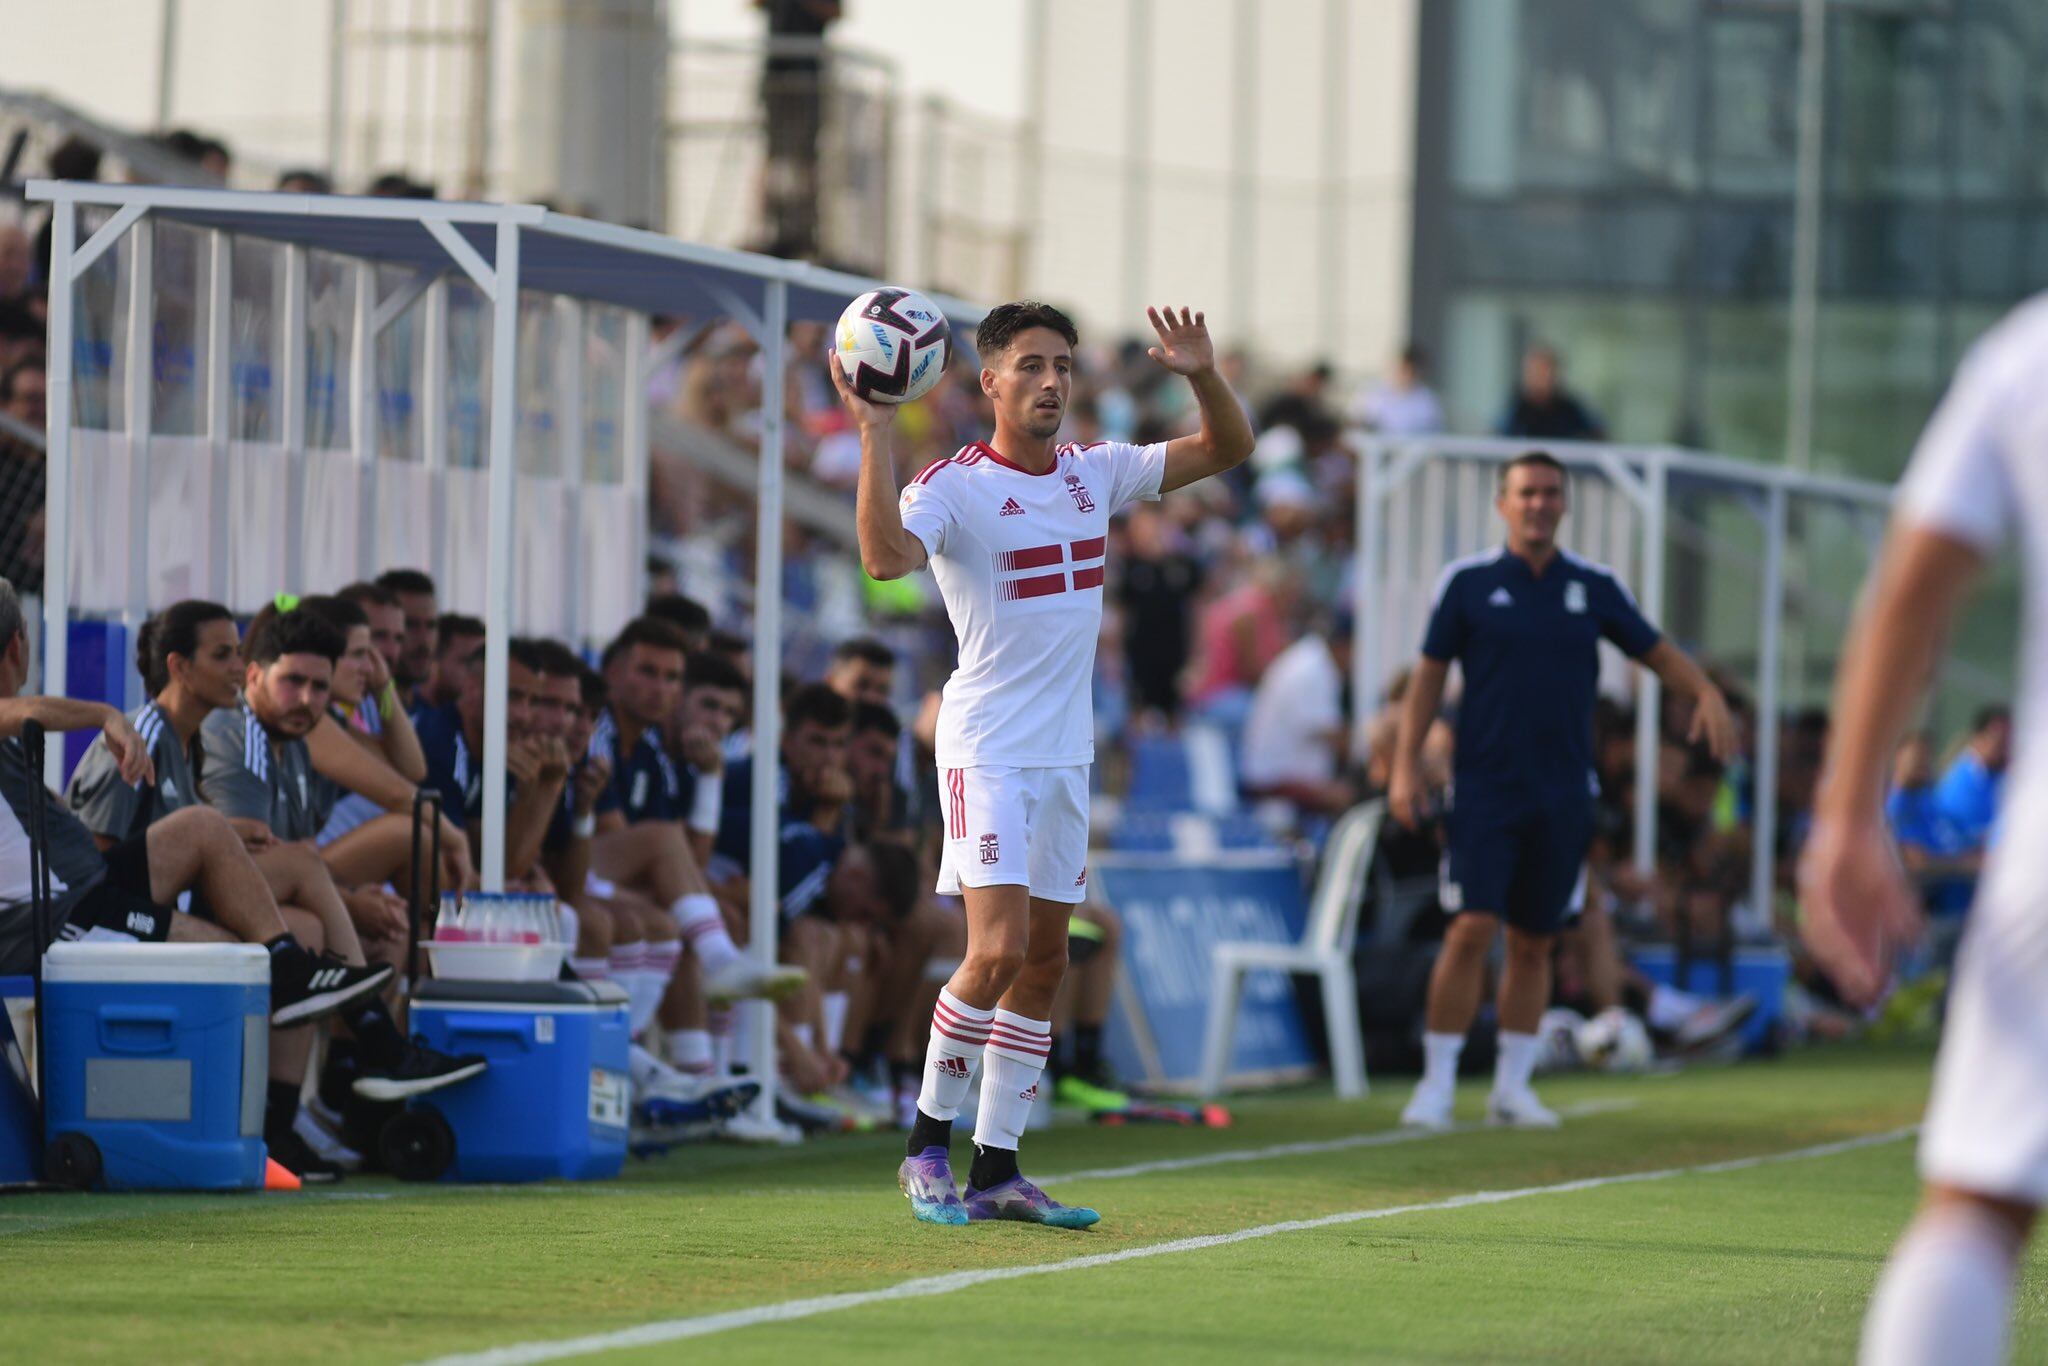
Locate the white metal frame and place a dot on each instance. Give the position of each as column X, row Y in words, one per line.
column 500, row 283
column 1642, row 474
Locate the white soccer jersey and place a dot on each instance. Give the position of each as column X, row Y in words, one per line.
column 1980, row 473
column 1018, row 557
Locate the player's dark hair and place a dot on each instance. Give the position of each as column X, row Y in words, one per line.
column 817, row 705
column 556, row 659
column 896, row 877
column 730, row 644
column 867, row 650
column 406, row 581
column 277, row 632
column 450, row 627
column 1000, row 326
column 366, row 595
column 173, row 631
column 652, row 632
column 13, row 373
column 1544, row 459
column 1990, row 716
column 340, row 613
column 872, row 716
column 707, row 670
column 687, row 615
column 596, row 692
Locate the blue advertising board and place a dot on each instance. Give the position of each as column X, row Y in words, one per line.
column 1175, row 911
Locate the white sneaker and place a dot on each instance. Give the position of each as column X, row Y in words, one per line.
column 1428, row 1108
column 1520, row 1110
column 743, row 978
column 745, row 1128
column 325, row 1145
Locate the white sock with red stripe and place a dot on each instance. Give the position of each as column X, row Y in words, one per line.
column 959, row 1032
column 626, row 960
column 646, row 988
column 1017, row 1049
column 704, row 927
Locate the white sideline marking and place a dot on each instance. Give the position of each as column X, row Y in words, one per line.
column 1379, row 1138
column 704, row 1325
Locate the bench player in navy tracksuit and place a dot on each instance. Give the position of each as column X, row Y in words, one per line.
column 1524, row 622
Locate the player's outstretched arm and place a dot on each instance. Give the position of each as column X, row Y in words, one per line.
column 1712, row 725
column 1858, row 906
column 1225, row 441
column 887, row 551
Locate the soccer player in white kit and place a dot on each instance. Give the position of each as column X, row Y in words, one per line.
column 1979, row 474
column 1015, row 530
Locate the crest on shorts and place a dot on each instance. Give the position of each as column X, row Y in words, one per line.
column 991, row 851
column 1080, row 492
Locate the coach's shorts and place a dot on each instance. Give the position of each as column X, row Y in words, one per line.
column 1524, row 861
column 1987, row 1120
column 118, row 906
column 1010, row 826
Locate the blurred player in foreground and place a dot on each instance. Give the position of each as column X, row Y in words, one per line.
column 1015, row 530
column 1979, row 474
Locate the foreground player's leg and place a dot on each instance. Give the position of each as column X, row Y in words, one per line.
column 1019, row 1039
column 1455, row 984
column 1946, row 1294
column 1524, row 992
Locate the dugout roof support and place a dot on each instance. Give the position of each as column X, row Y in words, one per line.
column 503, row 249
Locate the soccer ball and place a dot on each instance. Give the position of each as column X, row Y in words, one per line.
column 1615, row 1041
column 893, row 344
column 1557, row 1039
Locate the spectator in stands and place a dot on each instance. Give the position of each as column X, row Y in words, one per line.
column 398, row 185
column 21, row 336
column 1403, row 404
column 1240, row 635
column 72, row 159
column 1303, row 404
column 1156, row 586
column 17, row 261
column 416, row 598
column 1294, row 736
column 1969, row 791
column 299, row 180
column 1542, row 407
column 457, row 657
column 22, row 472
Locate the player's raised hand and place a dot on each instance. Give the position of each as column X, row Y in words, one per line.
column 865, row 415
column 1857, row 908
column 1184, row 344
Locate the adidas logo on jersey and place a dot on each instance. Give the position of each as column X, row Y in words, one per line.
column 1011, row 508
column 1501, row 598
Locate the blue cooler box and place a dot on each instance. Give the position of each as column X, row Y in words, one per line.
column 555, row 1100
column 157, row 1057
column 21, row 1133
column 1762, row 972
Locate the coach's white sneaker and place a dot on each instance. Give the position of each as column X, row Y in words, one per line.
column 1520, row 1110
column 1428, row 1108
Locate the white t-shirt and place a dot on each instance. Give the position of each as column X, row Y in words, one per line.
column 1296, row 706
column 1980, row 473
column 1018, row 558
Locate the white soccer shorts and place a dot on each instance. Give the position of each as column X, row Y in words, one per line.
column 1007, row 826
column 1987, row 1121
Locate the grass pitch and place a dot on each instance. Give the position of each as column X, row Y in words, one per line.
column 1769, row 1261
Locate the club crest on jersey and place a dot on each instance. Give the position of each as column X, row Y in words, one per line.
column 1080, row 492
column 1574, row 596
column 991, row 851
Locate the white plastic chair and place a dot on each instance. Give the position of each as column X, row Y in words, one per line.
column 1325, row 950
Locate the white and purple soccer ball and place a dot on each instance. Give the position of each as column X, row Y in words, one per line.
column 893, row 344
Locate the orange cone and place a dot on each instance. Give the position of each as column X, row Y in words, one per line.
column 277, row 1177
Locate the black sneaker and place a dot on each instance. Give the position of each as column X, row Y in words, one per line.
column 293, row 1153
column 304, row 985
column 419, row 1069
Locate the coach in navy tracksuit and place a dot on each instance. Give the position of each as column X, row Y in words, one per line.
column 1524, row 623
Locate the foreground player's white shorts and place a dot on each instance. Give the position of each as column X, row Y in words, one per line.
column 1987, row 1122
column 1025, row 826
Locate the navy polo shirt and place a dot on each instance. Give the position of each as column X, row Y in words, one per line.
column 645, row 784
column 805, row 855
column 1529, row 647
column 451, row 772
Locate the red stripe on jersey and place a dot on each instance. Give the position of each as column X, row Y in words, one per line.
column 924, row 475
column 1090, row 549
column 1036, row 557
column 1091, row 577
column 1045, row 585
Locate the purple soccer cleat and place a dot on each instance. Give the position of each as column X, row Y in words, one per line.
column 927, row 1181
column 1018, row 1199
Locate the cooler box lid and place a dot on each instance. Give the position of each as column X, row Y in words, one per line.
column 540, row 995
column 201, row 964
